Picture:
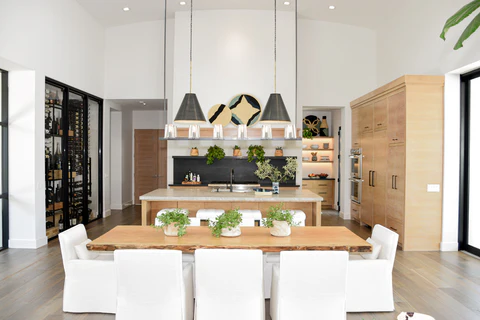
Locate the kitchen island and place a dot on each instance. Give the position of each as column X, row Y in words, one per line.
column 195, row 199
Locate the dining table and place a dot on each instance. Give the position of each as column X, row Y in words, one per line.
column 337, row 238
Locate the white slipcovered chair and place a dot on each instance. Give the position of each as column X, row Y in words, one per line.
column 256, row 215
column 209, row 214
column 369, row 284
column 90, row 285
column 153, row 284
column 317, row 292
column 229, row 284
column 247, row 222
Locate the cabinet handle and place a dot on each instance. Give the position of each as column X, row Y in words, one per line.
column 395, row 182
column 322, row 185
column 379, row 124
column 322, row 193
column 394, row 229
column 392, row 181
column 367, row 127
column 304, row 185
column 373, row 178
column 370, row 178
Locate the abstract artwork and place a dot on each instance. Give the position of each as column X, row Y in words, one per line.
column 312, row 123
column 219, row 114
column 245, row 110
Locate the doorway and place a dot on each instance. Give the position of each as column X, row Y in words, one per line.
column 469, row 240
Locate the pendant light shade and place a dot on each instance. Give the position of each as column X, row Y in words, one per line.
column 190, row 110
column 275, row 110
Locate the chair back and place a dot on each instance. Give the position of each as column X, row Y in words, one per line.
column 312, row 285
column 150, row 284
column 69, row 239
column 194, row 222
column 247, row 222
column 388, row 239
column 229, row 284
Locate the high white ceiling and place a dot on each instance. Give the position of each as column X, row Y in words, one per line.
column 363, row 13
column 137, row 104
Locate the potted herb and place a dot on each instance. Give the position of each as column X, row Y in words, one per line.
column 194, row 151
column 174, row 223
column 227, row 224
column 278, row 152
column 279, row 221
column 267, row 171
column 307, row 134
column 236, row 151
column 256, row 151
column 213, row 153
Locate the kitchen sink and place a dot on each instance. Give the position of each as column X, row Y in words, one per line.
column 224, row 186
column 234, row 190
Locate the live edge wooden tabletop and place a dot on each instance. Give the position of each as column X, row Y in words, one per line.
column 302, row 238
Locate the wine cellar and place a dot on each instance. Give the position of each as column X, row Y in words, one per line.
column 72, row 157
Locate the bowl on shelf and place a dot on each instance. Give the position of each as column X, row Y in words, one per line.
column 305, row 158
column 304, row 146
column 314, row 146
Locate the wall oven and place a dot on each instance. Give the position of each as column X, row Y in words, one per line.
column 356, row 175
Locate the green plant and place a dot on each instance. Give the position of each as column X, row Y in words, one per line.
column 256, row 151
column 236, row 147
column 276, row 213
column 307, row 134
column 267, row 171
column 179, row 219
column 213, row 153
column 194, row 147
column 230, row 219
column 278, row 148
column 458, row 17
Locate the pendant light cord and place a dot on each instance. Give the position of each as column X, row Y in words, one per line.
column 275, row 47
column 165, row 60
column 191, row 33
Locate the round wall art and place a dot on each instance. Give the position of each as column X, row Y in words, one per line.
column 245, row 110
column 312, row 123
column 220, row 114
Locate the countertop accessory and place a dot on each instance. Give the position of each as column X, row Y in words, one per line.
column 170, row 131
column 326, row 145
column 324, row 127
column 245, row 110
column 304, row 146
column 275, row 110
column 242, row 132
column 190, row 110
column 305, row 158
column 194, row 131
column 194, row 152
column 220, row 114
column 314, row 146
column 290, row 132
column 217, row 131
column 314, row 156
column 266, row 131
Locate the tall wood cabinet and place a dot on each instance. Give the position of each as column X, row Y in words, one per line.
column 399, row 127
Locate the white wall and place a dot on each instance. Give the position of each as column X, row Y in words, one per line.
column 51, row 38
column 127, row 162
column 336, row 64
column 116, row 160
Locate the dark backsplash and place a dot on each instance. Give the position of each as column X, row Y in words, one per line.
column 220, row 169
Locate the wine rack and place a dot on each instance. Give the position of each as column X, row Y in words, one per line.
column 69, row 157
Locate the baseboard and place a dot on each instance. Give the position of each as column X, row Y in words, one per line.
column 27, row 243
column 127, row 204
column 107, row 213
column 116, row 206
column 448, row 246
column 344, row 216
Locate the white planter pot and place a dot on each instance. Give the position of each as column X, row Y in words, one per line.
column 276, row 187
column 233, row 232
column 280, row 229
column 171, row 230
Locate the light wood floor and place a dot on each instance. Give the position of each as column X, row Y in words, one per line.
column 445, row 285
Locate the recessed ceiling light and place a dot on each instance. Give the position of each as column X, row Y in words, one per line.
column 141, row 102
column 126, row 9
column 182, row 3
column 287, row 3
column 331, row 7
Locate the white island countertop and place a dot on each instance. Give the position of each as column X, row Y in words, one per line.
column 208, row 195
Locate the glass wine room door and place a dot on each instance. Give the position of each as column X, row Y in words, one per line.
column 469, row 237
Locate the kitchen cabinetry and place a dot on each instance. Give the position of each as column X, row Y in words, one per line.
column 356, row 128
column 401, row 161
column 322, row 187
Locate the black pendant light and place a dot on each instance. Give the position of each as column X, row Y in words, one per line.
column 275, row 110
column 190, row 110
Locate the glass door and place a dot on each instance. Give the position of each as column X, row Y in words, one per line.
column 469, row 237
column 94, row 120
column 3, row 159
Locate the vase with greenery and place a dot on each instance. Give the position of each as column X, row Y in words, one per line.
column 458, row 17
column 256, row 151
column 265, row 170
column 278, row 151
column 226, row 224
column 174, row 223
column 279, row 221
column 307, row 134
column 236, row 151
column 194, row 151
column 213, row 153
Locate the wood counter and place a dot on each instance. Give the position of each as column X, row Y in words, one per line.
column 194, row 199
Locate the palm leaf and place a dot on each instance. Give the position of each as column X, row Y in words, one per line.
column 474, row 24
column 458, row 17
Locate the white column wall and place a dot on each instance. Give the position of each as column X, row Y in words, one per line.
column 127, row 162
column 116, row 164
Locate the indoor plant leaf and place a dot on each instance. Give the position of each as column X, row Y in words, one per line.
column 469, row 30
column 459, row 16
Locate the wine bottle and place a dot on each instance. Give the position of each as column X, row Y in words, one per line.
column 60, row 223
column 74, row 219
column 48, row 159
column 48, row 121
column 54, row 126
column 58, row 158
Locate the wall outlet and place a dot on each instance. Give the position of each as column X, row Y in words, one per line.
column 433, row 188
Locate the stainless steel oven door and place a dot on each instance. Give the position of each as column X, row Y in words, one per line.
column 356, row 163
column 356, row 190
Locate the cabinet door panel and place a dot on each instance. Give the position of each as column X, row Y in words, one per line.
column 356, row 128
column 367, row 168
column 366, row 114
column 380, row 114
column 396, row 117
column 380, row 176
column 395, row 201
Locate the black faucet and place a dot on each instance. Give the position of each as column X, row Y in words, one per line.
column 232, row 179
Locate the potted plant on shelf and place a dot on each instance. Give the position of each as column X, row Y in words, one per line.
column 279, row 221
column 227, row 224
column 213, row 153
column 194, row 152
column 278, row 152
column 267, row 171
column 174, row 223
column 307, row 134
column 236, row 151
column 256, row 151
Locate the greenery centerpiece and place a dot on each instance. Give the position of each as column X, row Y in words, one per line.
column 213, row 153
column 173, row 222
column 279, row 221
column 265, row 170
column 256, row 151
column 227, row 224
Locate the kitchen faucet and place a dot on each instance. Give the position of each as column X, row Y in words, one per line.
column 232, row 179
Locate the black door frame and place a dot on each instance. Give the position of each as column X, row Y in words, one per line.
column 463, row 224
column 4, row 168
